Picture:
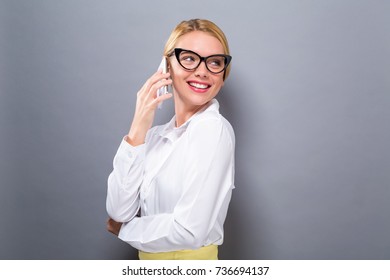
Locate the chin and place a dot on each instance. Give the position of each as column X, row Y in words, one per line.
column 199, row 99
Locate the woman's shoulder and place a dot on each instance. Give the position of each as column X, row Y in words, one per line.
column 211, row 115
column 211, row 118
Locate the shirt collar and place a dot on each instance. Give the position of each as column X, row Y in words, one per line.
column 173, row 133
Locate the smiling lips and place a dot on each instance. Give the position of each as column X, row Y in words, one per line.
column 199, row 87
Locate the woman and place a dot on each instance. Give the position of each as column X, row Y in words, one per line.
column 171, row 185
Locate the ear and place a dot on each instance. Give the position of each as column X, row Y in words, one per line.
column 169, row 66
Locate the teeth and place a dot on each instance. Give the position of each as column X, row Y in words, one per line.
column 202, row 86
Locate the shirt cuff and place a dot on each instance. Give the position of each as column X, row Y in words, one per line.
column 135, row 153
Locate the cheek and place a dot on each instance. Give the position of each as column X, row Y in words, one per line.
column 178, row 82
column 178, row 77
column 219, row 82
column 175, row 68
column 175, row 73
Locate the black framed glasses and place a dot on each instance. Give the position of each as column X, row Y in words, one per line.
column 190, row 60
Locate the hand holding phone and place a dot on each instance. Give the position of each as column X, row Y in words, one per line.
column 146, row 104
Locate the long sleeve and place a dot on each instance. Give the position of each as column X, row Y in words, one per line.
column 207, row 182
column 124, row 182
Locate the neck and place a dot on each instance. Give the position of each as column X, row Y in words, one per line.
column 184, row 114
column 184, row 111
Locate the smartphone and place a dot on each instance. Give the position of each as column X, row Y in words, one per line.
column 164, row 67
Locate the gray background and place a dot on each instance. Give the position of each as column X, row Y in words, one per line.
column 308, row 97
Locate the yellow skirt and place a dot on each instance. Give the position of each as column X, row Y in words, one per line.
column 204, row 253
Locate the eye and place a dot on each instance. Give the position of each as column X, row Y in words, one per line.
column 216, row 62
column 188, row 58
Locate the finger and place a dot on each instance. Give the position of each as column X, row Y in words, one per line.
column 162, row 98
column 158, row 85
column 156, row 77
column 152, row 81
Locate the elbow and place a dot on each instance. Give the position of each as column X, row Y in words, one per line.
column 120, row 218
column 113, row 214
column 121, row 205
column 122, row 215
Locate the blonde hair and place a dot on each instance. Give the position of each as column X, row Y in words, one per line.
column 203, row 25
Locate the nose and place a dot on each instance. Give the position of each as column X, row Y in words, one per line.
column 202, row 70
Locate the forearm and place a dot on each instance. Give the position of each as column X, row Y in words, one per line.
column 159, row 233
column 137, row 134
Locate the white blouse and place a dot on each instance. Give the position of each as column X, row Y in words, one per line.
column 172, row 193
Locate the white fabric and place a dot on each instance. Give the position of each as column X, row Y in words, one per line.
column 181, row 180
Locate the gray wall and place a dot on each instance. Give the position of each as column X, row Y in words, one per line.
column 308, row 96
